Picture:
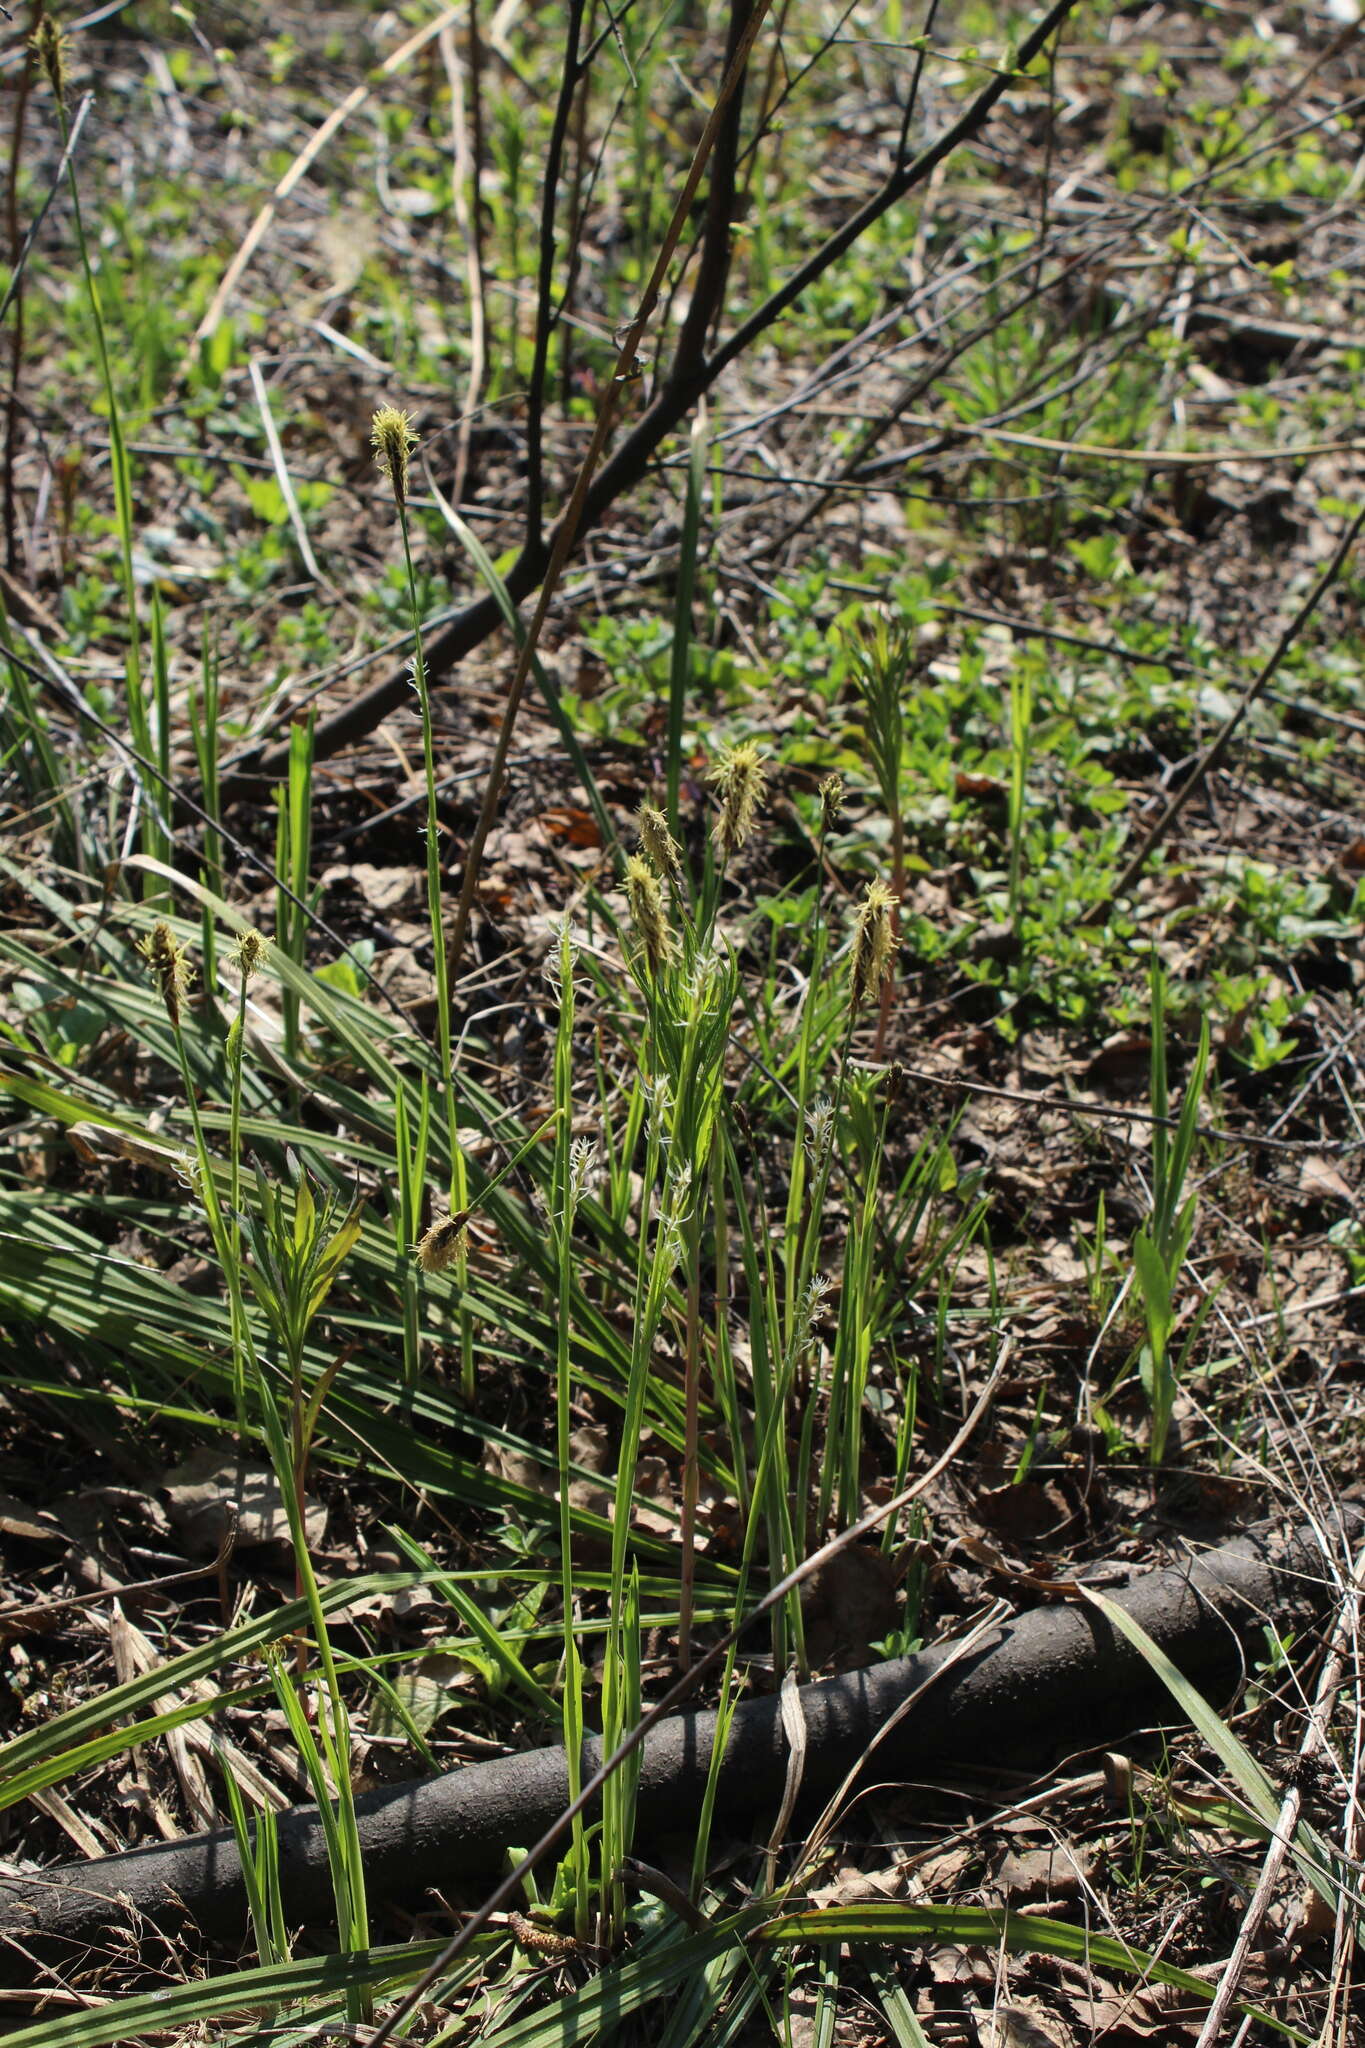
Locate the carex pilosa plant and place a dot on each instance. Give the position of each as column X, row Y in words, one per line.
column 747, row 1326
column 1161, row 1244
column 287, row 1254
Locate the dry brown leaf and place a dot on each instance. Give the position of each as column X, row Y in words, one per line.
column 852, row 1887
column 981, row 789
column 654, row 1481
column 383, row 889
column 1019, row 2026
column 1059, row 1871
column 950, row 1963
column 590, row 1447
column 942, row 1873
column 1024, row 1513
column 200, row 1492
column 17, row 1520
column 1063, row 1265
column 1320, row 1179
column 571, row 823
column 518, row 1467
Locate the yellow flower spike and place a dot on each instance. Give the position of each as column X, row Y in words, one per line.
column 870, row 962
column 50, row 47
column 249, row 954
column 392, row 438
column 443, row 1243
column 165, row 956
column 644, row 894
column 659, row 843
column 740, row 777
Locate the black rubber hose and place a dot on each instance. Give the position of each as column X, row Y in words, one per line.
column 1056, row 1674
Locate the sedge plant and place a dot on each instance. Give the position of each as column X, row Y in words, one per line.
column 295, row 1256
column 1160, row 1246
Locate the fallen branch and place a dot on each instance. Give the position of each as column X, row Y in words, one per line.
column 1056, row 1674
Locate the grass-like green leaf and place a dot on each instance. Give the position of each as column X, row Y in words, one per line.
column 1317, row 1863
column 181, row 2006
column 986, row 1927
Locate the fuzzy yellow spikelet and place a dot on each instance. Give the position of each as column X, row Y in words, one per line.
column 165, row 955
column 740, row 777
column 870, row 962
column 392, row 439
column 644, row 894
